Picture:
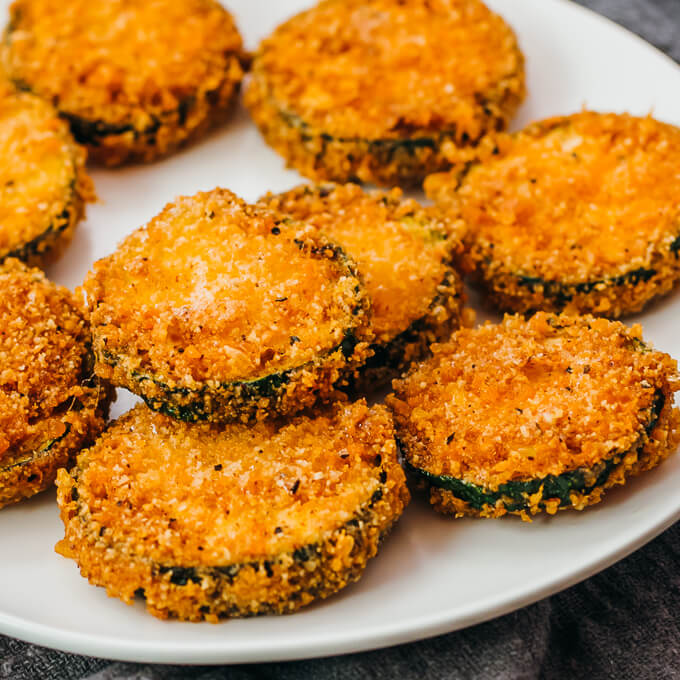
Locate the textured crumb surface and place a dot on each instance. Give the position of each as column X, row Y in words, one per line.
column 336, row 86
column 269, row 321
column 404, row 254
column 525, row 400
column 50, row 403
column 577, row 212
column 43, row 183
column 135, row 78
column 232, row 520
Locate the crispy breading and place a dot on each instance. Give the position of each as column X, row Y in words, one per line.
column 135, row 78
column 208, row 521
column 221, row 310
column 51, row 405
column 405, row 256
column 531, row 401
column 378, row 90
column 43, row 182
column 576, row 213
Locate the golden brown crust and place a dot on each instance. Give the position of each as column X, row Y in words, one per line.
column 134, row 78
column 43, row 182
column 50, row 403
column 213, row 521
column 377, row 90
column 529, row 400
column 271, row 323
column 661, row 442
column 577, row 213
column 404, row 254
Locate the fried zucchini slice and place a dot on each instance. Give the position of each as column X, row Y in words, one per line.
column 384, row 91
column 404, row 254
column 208, row 521
column 577, row 213
column 218, row 310
column 43, row 183
column 51, row 404
column 134, row 78
column 536, row 415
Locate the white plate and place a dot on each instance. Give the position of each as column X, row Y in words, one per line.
column 433, row 575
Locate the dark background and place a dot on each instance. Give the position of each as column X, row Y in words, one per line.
column 623, row 623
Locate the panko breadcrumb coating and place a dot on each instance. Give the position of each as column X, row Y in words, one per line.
column 383, row 91
column 535, row 415
column 43, row 183
column 51, row 404
column 207, row 521
column 577, row 213
column 219, row 310
column 404, row 254
column 134, row 78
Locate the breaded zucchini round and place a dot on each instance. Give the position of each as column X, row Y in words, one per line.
column 218, row 310
column 43, row 183
column 51, row 404
column 577, row 213
column 404, row 253
column 208, row 521
column 535, row 415
column 382, row 91
column 134, row 78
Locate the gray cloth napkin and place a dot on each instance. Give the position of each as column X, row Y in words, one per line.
column 623, row 623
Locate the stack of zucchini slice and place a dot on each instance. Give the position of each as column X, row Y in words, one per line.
column 405, row 255
column 51, row 403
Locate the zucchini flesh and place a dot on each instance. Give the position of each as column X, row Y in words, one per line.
column 515, row 495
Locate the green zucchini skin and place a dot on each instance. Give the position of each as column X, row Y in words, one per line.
column 514, row 496
column 38, row 453
column 36, row 248
column 387, row 145
column 562, row 293
column 183, row 403
column 94, row 132
column 405, row 160
column 318, row 582
column 625, row 294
